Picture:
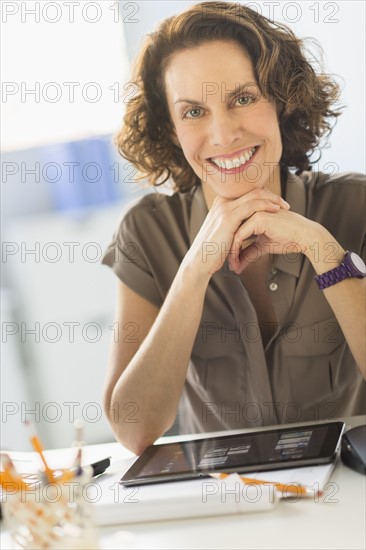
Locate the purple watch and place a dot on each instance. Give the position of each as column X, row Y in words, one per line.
column 351, row 266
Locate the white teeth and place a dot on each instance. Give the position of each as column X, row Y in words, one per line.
column 235, row 162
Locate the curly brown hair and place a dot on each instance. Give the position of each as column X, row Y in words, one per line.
column 283, row 74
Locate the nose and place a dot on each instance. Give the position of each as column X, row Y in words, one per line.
column 224, row 129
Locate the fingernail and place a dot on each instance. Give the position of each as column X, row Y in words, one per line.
column 285, row 203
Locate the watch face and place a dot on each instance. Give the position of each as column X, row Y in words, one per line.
column 358, row 263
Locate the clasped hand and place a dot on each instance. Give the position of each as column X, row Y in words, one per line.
column 233, row 228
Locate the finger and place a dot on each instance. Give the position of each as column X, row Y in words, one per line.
column 247, row 257
column 259, row 194
column 240, row 261
column 236, row 250
column 255, row 225
column 233, row 256
column 246, row 210
column 248, row 242
column 241, row 215
column 263, row 194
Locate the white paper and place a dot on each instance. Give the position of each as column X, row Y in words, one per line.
column 312, row 477
column 182, row 499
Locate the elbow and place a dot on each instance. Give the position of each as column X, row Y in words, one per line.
column 136, row 446
column 132, row 435
column 107, row 404
column 142, row 438
column 136, row 442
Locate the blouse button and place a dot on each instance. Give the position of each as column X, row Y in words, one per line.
column 274, row 270
column 273, row 287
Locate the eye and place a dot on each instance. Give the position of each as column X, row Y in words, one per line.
column 195, row 112
column 245, row 99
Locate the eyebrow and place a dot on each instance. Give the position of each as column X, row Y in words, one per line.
column 229, row 95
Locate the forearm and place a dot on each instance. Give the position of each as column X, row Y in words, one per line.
column 346, row 298
column 154, row 378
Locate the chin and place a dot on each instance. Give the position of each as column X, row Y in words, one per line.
column 232, row 195
column 234, row 191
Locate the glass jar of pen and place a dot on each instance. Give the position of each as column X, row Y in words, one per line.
column 54, row 511
column 54, row 515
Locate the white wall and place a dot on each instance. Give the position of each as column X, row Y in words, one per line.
column 72, row 55
column 62, row 326
column 46, row 45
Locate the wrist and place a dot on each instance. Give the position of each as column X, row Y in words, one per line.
column 190, row 275
column 322, row 249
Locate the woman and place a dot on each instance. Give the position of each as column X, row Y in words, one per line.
column 218, row 309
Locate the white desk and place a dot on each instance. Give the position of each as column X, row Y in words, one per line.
column 336, row 521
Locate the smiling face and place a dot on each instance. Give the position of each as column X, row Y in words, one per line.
column 227, row 130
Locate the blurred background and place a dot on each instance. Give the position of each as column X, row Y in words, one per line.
column 64, row 187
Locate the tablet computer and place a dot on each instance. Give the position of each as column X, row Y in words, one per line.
column 244, row 452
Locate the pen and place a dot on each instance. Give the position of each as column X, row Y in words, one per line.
column 37, row 446
column 98, row 468
column 292, row 488
column 76, row 470
column 8, row 483
column 78, row 424
column 9, row 467
column 9, row 478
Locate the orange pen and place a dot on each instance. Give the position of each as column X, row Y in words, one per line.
column 9, row 479
column 37, row 446
column 292, row 488
column 8, row 483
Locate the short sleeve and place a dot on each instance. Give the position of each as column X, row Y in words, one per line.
column 128, row 256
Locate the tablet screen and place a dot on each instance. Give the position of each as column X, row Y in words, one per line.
column 255, row 451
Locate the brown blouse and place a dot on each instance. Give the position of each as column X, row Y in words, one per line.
column 305, row 371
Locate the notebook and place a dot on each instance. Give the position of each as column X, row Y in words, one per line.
column 118, row 505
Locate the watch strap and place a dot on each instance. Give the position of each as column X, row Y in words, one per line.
column 332, row 277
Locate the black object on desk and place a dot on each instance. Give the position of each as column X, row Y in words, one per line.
column 274, row 449
column 353, row 449
column 100, row 466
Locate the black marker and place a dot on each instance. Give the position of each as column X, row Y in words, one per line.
column 100, row 466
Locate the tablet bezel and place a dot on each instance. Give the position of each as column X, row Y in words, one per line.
column 328, row 453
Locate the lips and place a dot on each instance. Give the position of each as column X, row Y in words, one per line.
column 235, row 163
column 233, row 155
